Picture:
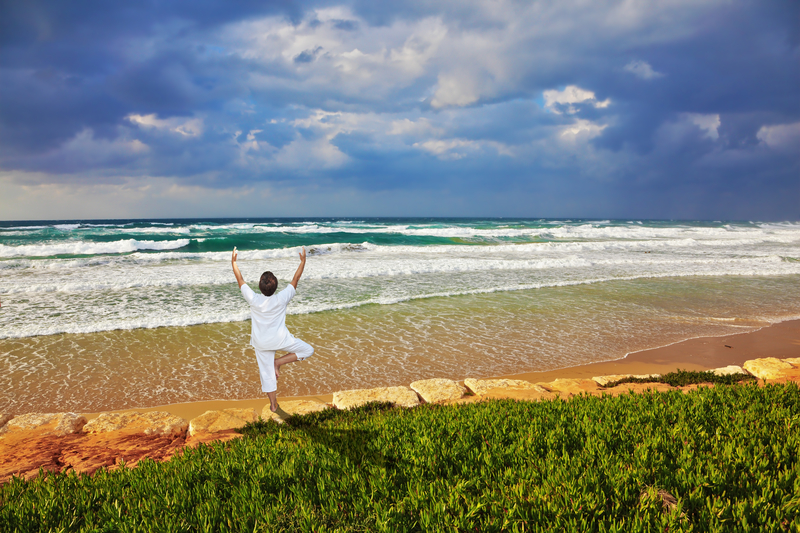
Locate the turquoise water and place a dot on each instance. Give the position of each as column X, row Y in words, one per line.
column 114, row 314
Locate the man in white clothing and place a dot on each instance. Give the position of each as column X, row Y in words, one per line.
column 268, row 332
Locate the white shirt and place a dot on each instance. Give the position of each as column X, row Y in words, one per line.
column 268, row 318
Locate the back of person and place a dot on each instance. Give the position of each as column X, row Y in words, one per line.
column 268, row 315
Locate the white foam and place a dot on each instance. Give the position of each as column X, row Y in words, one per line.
column 553, row 230
column 183, row 314
column 22, row 227
column 157, row 230
column 120, row 284
column 88, row 248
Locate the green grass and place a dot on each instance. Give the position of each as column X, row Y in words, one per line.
column 681, row 378
column 728, row 454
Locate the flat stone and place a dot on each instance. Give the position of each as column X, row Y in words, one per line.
column 23, row 453
column 766, row 368
column 400, row 396
column 293, row 407
column 605, row 380
column 151, row 423
column 530, row 395
column 794, row 361
column 58, row 424
column 4, row 418
column 482, row 386
column 438, row 390
column 573, row 386
column 729, row 370
column 216, row 421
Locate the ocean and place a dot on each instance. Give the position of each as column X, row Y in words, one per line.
column 110, row 314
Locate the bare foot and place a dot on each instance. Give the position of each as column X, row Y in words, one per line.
column 273, row 408
column 277, row 371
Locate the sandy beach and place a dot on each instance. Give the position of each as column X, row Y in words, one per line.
column 780, row 340
column 65, row 440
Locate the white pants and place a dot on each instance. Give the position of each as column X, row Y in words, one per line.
column 266, row 362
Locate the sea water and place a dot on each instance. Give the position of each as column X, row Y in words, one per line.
column 125, row 313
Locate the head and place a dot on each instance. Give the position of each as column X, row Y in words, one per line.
column 268, row 283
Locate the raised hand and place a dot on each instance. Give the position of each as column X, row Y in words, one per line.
column 300, row 268
column 236, row 272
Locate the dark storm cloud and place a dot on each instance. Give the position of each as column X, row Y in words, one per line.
column 630, row 107
column 66, row 66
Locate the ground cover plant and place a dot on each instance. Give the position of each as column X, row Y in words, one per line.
column 721, row 458
column 681, row 378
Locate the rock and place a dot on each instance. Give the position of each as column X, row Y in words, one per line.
column 401, row 396
column 481, row 386
column 110, row 450
column 766, row 368
column 438, row 390
column 151, row 423
column 646, row 376
column 23, row 453
column 728, row 370
column 530, row 395
column 605, row 380
column 293, row 407
column 794, row 361
column 216, row 421
column 58, row 424
column 4, row 418
column 573, row 386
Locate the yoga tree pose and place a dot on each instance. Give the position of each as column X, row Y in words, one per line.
column 268, row 332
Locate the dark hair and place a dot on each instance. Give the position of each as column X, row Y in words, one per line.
column 268, row 283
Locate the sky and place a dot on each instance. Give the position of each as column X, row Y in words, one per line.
column 670, row 109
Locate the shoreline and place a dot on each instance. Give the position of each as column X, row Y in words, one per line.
column 780, row 340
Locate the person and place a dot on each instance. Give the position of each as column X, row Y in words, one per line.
column 268, row 332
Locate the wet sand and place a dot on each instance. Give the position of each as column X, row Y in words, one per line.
column 780, row 340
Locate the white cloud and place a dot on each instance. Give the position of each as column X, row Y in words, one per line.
column 781, row 136
column 460, row 148
column 572, row 94
column 86, row 143
column 310, row 154
column 642, row 69
column 462, row 56
column 369, row 62
column 417, row 128
column 581, row 129
column 456, row 90
column 319, row 152
column 250, row 145
column 707, row 123
column 186, row 127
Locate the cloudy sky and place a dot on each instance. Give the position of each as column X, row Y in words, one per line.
column 556, row 108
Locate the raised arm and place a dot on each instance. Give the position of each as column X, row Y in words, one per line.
column 239, row 278
column 299, row 271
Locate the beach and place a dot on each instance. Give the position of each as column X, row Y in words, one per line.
column 114, row 315
column 704, row 353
